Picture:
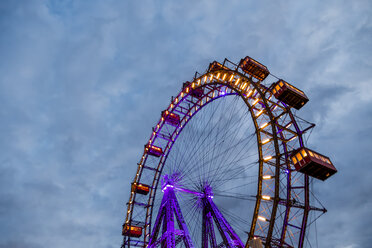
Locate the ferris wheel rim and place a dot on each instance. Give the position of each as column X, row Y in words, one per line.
column 261, row 158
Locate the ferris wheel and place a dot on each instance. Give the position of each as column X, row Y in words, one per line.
column 227, row 166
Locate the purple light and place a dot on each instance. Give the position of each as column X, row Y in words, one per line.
column 166, row 187
column 169, row 212
column 287, row 171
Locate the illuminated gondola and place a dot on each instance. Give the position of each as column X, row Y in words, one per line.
column 289, row 94
column 171, row 118
column 254, row 68
column 313, row 164
column 140, row 188
column 153, row 150
column 215, row 66
column 197, row 92
column 131, row 231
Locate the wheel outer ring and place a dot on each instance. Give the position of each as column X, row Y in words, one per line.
column 198, row 82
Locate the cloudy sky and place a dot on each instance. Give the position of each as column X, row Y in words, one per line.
column 83, row 82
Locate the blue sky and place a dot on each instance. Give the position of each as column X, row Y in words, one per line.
column 83, row 82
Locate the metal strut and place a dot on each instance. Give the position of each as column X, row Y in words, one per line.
column 170, row 212
column 210, row 213
column 169, row 209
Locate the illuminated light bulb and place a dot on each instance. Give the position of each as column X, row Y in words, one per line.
column 275, row 107
column 266, row 197
column 290, row 124
column 265, row 141
column 292, row 138
column 259, row 113
column 187, row 90
column 205, row 79
column 171, row 106
column 249, row 93
column 231, row 78
column 264, row 125
column 181, row 94
column 265, row 177
column 304, row 154
column 176, row 100
column 261, row 218
column 211, row 77
column 218, row 75
column 243, row 86
column 267, row 158
column 224, row 76
column 255, row 101
column 237, row 81
column 199, row 81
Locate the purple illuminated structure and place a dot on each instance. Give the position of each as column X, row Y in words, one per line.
column 212, row 216
column 210, row 213
column 169, row 209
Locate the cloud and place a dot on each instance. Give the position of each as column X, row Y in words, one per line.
column 81, row 85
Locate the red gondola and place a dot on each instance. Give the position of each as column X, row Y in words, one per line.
column 289, row 94
column 140, row 188
column 313, row 164
column 153, row 150
column 132, row 231
column 198, row 92
column 215, row 66
column 254, row 68
column 171, row 118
